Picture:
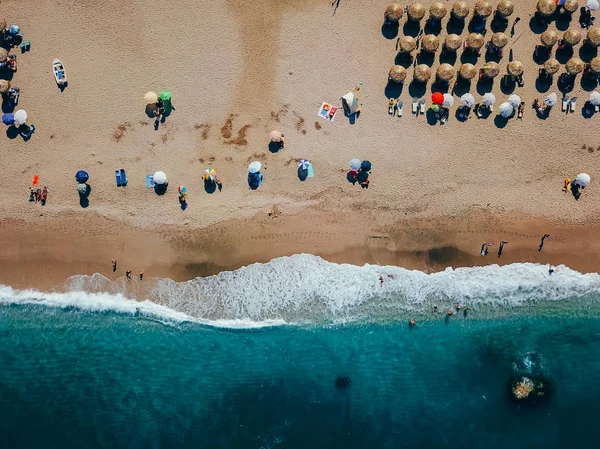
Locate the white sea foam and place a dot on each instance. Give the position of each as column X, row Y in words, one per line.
column 305, row 288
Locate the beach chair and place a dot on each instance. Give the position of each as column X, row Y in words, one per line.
column 399, row 106
column 573, row 104
column 123, row 178
column 422, row 106
column 415, row 106
column 565, row 103
column 118, row 178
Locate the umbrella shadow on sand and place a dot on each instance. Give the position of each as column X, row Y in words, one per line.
column 84, row 196
column 274, row 147
column 12, row 132
column 210, row 187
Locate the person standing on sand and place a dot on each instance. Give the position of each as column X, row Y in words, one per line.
column 502, row 243
column 128, row 274
column 484, row 249
column 141, row 275
column 542, row 242
column 114, row 264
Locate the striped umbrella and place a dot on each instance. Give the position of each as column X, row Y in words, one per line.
column 210, row 174
column 304, row 164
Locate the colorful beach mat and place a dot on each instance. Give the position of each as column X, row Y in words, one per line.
column 327, row 111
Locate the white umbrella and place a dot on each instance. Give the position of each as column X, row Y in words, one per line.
column 506, row 109
column 583, row 179
column 355, row 164
column 514, row 100
column 467, row 100
column 448, row 101
column 254, row 167
column 595, row 98
column 593, row 5
column 304, row 164
column 150, row 97
column 20, row 117
column 275, row 136
column 160, row 177
column 489, row 99
column 551, row 99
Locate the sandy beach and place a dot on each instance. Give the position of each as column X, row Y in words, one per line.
column 239, row 70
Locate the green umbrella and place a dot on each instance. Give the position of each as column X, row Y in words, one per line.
column 435, row 108
column 165, row 95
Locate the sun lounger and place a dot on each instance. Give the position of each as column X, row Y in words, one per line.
column 415, row 106
column 123, row 178
column 422, row 106
column 573, row 104
column 118, row 177
column 565, row 103
column 399, row 106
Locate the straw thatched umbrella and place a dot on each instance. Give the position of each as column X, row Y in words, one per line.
column 499, row 40
column 572, row 36
column 546, row 7
column 438, row 10
column 430, row 43
column 551, row 66
column 2, row 25
column 549, row 38
column 595, row 65
column 475, row 41
column 397, row 74
column 3, row 53
column 593, row 37
column 482, row 8
column 571, row 5
column 460, row 10
column 407, row 44
column 422, row 73
column 445, row 72
column 515, row 68
column 491, row 69
column 467, row 71
column 575, row 66
column 416, row 12
column 4, row 86
column 505, row 8
column 393, row 12
column 453, row 42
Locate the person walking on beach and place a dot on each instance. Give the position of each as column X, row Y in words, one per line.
column 128, row 274
column 484, row 249
column 542, row 242
column 114, row 264
column 502, row 243
column 141, row 275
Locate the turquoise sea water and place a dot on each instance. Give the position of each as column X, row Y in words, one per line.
column 109, row 377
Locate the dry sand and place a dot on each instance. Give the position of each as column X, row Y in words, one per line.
column 237, row 71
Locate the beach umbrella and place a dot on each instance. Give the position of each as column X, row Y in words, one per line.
column 275, row 136
column 437, row 98
column 550, row 99
column 453, row 42
column 593, row 5
column 13, row 29
column 514, row 100
column 8, row 119
column 575, row 66
column 438, row 10
column 397, row 74
column 430, row 43
column 416, row 12
column 551, row 66
column 435, row 107
column 460, row 10
column 505, row 8
column 422, row 73
column 468, row 71
column 445, row 72
column 491, row 69
column 549, row 38
column 4, row 86
column 488, row 99
column 583, row 179
column 448, row 101
column 595, row 98
column 571, row 5
column 165, row 95
column 81, row 188
column 500, row 40
column 20, row 117
column 81, row 176
column 515, row 68
column 254, row 167
column 506, row 110
column 546, row 7
column 210, row 174
column 407, row 44
column 593, row 37
column 482, row 8
column 304, row 164
column 160, row 178
column 572, row 36
column 150, row 97
column 3, row 54
column 467, row 100
column 354, row 164
column 393, row 12
column 182, row 190
column 2, row 25
column 475, row 41
column 365, row 166
column 595, row 65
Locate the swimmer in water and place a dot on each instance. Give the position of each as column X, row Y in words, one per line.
column 412, row 323
column 381, row 281
column 550, row 271
column 435, row 309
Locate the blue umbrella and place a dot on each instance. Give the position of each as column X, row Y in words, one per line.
column 81, row 176
column 8, row 119
column 365, row 166
column 304, row 164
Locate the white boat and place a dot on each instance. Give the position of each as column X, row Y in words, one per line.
column 59, row 72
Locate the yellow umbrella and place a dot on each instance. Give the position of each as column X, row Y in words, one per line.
column 491, row 69
column 430, row 43
column 416, row 11
column 468, row 71
column 515, row 68
column 445, row 72
column 549, row 38
column 460, row 10
column 453, row 42
column 572, row 36
column 595, row 65
column 150, row 97
column 422, row 73
column 438, row 10
column 407, row 44
column 546, row 7
column 571, row 5
column 393, row 12
column 551, row 66
column 593, row 37
column 499, row 40
column 397, row 74
column 475, row 41
column 482, row 8
column 575, row 66
column 505, row 8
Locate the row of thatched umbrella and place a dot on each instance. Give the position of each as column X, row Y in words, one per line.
column 548, row 7
column 573, row 66
column 571, row 37
column 438, row 10
column 452, row 42
column 445, row 72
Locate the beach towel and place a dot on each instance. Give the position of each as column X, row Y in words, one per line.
column 149, row 181
column 311, row 173
column 35, row 180
column 327, row 111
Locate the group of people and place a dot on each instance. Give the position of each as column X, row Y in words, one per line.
column 127, row 272
column 360, row 173
column 38, row 195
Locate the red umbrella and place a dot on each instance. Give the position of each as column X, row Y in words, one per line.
column 437, row 98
